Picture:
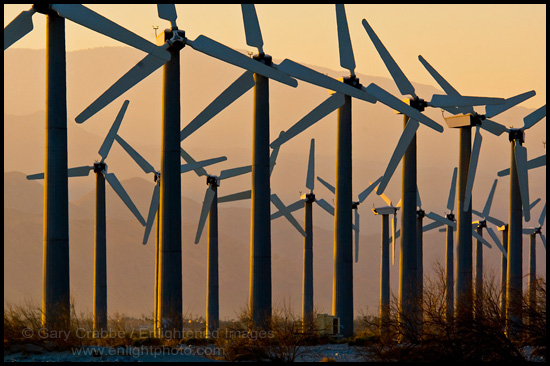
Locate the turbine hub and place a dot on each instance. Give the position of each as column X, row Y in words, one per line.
column 450, row 217
column 212, row 179
column 420, row 213
column 309, row 197
column 99, row 167
column 354, row 205
column 352, row 80
column 263, row 58
column 175, row 37
column 516, row 134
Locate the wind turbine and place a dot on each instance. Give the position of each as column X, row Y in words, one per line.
column 154, row 210
column 170, row 187
column 344, row 90
column 406, row 150
column 532, row 286
column 100, row 244
column 56, row 282
column 468, row 157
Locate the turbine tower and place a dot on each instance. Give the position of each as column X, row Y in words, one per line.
column 56, row 281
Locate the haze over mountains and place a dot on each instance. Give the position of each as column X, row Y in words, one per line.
column 131, row 265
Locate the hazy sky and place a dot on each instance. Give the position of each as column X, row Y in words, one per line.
column 486, row 50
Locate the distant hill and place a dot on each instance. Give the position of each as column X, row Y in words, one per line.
column 130, row 268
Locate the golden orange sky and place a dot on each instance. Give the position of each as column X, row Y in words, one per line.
column 486, row 50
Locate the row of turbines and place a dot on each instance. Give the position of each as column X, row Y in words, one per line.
column 166, row 198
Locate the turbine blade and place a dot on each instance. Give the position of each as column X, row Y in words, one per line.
column 140, row 71
column 444, row 84
column 489, row 202
column 153, row 208
column 531, row 164
column 542, row 216
column 474, row 157
column 143, row 164
column 452, row 191
column 347, row 60
column 206, row 204
column 363, row 195
column 281, row 207
column 92, row 20
column 534, row 117
column 386, row 199
column 356, row 235
column 543, row 238
column 212, row 48
column 332, row 103
column 493, row 220
column 273, row 156
column 325, row 206
column 432, row 226
column 404, row 85
column 233, row 92
column 386, row 98
column 496, row 240
column 493, row 127
column 245, row 195
column 310, row 177
column 316, row 78
column 18, row 27
column 481, row 238
column 81, row 171
column 528, row 230
column 418, row 201
column 329, row 186
column 168, row 12
column 110, row 138
column 523, row 178
column 442, row 101
column 290, row 208
column 200, row 164
column 404, row 141
column 493, row 110
column 234, row 172
column 252, row 27
column 189, row 159
column 35, row 176
column 441, row 219
column 117, row 187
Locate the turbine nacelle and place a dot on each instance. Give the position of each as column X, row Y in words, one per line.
column 416, row 103
column 450, row 217
column 308, row 197
column 212, row 179
column 100, row 167
column 480, row 223
column 516, row 134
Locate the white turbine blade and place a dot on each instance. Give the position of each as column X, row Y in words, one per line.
column 81, row 171
column 394, row 236
column 542, row 216
column 110, row 138
column 310, row 177
column 441, row 101
column 92, row 20
column 153, row 208
column 481, row 238
column 117, row 187
column 432, row 226
column 18, row 27
column 281, row 207
column 387, row 199
column 332, row 103
column 233, row 92
column 474, row 157
column 386, row 98
column 444, row 84
column 245, row 195
column 487, row 208
column 143, row 164
column 168, row 12
column 523, row 178
column 404, row 85
column 493, row 127
column 543, row 238
column 347, row 60
column 329, row 186
column 439, row 218
column 206, row 204
column 200, row 164
column 363, row 195
column 531, row 164
column 234, row 172
column 325, row 206
column 35, row 176
column 316, row 78
column 252, row 27
column 493, row 110
column 356, row 235
column 496, row 240
column 452, row 191
column 291, row 208
column 531, row 119
column 140, row 71
column 212, row 48
column 404, row 141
